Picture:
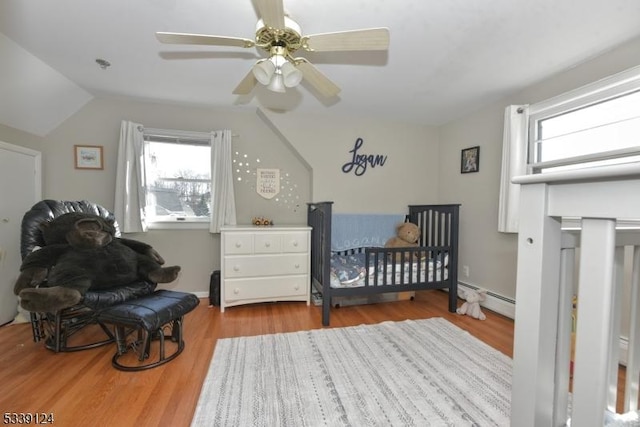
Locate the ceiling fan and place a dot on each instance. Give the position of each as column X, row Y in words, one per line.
column 280, row 36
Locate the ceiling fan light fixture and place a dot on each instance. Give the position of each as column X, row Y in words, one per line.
column 264, row 71
column 277, row 84
column 290, row 74
column 280, row 37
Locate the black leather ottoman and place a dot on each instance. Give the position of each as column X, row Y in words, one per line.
column 154, row 317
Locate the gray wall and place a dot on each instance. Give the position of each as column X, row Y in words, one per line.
column 410, row 174
column 308, row 151
column 422, row 166
column 18, row 137
column 491, row 256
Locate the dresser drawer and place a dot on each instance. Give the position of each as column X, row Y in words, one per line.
column 267, row 243
column 295, row 242
column 238, row 243
column 272, row 288
column 265, row 265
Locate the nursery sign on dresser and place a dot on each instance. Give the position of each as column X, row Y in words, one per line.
column 262, row 264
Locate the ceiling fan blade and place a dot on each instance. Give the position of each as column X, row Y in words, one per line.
column 366, row 39
column 246, row 85
column 271, row 13
column 183, row 38
column 318, row 80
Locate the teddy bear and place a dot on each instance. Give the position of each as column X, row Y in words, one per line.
column 471, row 306
column 81, row 254
column 407, row 236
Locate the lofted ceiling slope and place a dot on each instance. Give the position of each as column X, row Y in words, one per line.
column 445, row 58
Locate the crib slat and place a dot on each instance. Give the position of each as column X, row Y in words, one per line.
column 563, row 349
column 633, row 355
column 614, row 335
column 595, row 293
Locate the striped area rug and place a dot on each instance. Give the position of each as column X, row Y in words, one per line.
column 410, row 373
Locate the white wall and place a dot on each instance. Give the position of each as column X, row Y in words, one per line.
column 491, row 256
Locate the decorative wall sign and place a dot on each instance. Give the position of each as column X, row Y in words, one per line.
column 470, row 160
column 245, row 174
column 88, row 156
column 268, row 182
column 359, row 162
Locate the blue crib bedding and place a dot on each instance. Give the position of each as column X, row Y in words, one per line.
column 352, row 231
column 350, row 270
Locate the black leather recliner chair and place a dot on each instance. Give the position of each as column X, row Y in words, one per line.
column 57, row 328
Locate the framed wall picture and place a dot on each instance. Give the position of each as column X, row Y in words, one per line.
column 470, row 160
column 88, row 157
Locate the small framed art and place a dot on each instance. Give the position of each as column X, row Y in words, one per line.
column 470, row 160
column 88, row 157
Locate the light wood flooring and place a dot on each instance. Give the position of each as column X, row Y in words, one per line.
column 82, row 388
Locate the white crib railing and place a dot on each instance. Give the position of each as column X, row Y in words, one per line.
column 600, row 198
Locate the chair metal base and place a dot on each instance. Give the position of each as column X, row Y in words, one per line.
column 142, row 345
column 57, row 328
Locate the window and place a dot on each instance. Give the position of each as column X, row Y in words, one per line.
column 177, row 170
column 593, row 126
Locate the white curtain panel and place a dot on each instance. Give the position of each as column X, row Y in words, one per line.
column 130, row 203
column 222, row 197
column 514, row 163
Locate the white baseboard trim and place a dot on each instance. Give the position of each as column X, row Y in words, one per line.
column 507, row 307
column 495, row 302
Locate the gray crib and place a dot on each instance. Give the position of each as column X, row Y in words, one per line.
column 391, row 269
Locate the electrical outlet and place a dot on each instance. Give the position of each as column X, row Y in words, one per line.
column 465, row 270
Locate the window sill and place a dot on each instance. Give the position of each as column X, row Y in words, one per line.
column 179, row 225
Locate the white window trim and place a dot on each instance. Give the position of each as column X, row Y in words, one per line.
column 178, row 135
column 609, row 87
column 178, row 225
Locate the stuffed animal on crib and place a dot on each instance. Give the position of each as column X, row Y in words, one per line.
column 407, row 236
column 81, row 254
column 471, row 306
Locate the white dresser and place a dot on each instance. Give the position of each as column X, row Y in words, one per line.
column 261, row 264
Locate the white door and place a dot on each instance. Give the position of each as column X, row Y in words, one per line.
column 20, row 188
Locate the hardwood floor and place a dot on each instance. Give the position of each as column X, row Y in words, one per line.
column 82, row 388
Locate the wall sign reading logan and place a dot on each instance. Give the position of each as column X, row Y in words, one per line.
column 360, row 162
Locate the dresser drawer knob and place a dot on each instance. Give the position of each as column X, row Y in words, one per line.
column 236, row 268
column 297, row 266
column 296, row 287
column 238, row 245
column 267, row 244
column 295, row 244
column 236, row 291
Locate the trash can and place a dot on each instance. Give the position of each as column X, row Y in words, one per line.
column 214, row 288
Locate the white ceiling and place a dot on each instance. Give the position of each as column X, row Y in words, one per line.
column 445, row 59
